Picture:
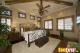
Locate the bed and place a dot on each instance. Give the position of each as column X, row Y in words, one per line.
column 31, row 36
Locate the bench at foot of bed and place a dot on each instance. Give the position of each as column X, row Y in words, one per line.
column 41, row 41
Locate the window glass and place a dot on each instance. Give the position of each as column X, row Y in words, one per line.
column 78, row 19
column 9, row 22
column 3, row 20
column 48, row 24
column 68, row 24
column 60, row 24
column 6, row 21
column 65, row 24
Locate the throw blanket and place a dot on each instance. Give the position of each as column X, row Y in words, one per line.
column 33, row 35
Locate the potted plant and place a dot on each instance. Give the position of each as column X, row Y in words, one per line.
column 61, row 34
column 77, row 46
column 4, row 42
column 48, row 32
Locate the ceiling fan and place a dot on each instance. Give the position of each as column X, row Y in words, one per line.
column 41, row 8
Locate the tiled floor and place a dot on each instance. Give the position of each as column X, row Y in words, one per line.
column 63, row 43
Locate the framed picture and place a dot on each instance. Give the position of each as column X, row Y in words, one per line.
column 32, row 17
column 21, row 15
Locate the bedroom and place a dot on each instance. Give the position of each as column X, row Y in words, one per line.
column 25, row 17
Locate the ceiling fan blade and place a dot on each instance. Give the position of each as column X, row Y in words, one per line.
column 10, row 2
column 41, row 12
column 41, row 4
column 38, row 5
column 63, row 2
column 45, row 10
column 46, row 6
column 41, row 8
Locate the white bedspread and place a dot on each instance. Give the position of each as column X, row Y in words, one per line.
column 33, row 35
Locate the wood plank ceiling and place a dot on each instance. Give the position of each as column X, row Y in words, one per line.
column 23, row 1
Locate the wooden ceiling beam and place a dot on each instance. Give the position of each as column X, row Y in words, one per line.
column 64, row 3
column 17, row 1
column 55, row 1
column 61, row 2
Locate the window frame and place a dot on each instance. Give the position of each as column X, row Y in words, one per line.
column 76, row 20
column 52, row 24
column 64, row 23
column 6, row 20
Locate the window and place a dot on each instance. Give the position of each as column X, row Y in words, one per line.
column 6, row 21
column 68, row 25
column 65, row 24
column 61, row 24
column 78, row 19
column 48, row 24
column 3, row 20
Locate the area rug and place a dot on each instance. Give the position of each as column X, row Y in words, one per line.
column 22, row 47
